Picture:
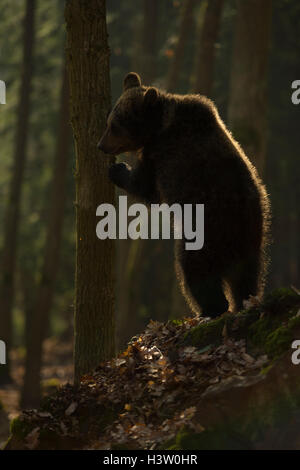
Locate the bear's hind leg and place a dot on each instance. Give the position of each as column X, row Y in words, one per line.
column 208, row 293
column 244, row 281
column 200, row 284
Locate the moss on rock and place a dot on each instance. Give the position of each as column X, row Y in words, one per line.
column 206, row 333
column 210, row 439
column 267, row 328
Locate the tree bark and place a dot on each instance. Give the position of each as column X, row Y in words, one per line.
column 184, row 30
column 205, row 60
column 12, row 215
column 88, row 65
column 45, row 290
column 247, row 112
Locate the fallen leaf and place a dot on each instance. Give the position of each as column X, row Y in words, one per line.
column 70, row 410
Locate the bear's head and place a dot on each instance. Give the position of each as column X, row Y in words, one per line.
column 134, row 118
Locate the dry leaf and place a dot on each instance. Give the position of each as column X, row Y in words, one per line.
column 70, row 410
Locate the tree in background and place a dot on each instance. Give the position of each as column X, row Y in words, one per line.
column 282, row 168
column 205, row 57
column 148, row 57
column 186, row 22
column 144, row 62
column 12, row 215
column 141, row 256
column 247, row 113
column 90, row 102
column 38, row 323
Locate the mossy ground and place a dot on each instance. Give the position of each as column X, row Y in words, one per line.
column 267, row 328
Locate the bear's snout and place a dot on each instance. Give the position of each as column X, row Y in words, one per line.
column 107, row 144
column 104, row 146
column 100, row 145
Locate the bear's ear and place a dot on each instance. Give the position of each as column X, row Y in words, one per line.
column 151, row 96
column 131, row 80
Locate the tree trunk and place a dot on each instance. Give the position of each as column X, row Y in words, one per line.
column 43, row 303
column 128, row 293
column 205, row 60
column 28, row 289
column 150, row 29
column 144, row 42
column 184, row 30
column 88, row 64
column 130, row 251
column 12, row 214
column 248, row 85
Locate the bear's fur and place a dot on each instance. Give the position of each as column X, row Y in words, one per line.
column 188, row 156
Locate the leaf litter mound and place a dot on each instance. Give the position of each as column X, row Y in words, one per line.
column 144, row 396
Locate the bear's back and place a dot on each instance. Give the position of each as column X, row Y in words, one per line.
column 197, row 158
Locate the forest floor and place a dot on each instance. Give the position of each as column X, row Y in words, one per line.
column 57, row 370
column 227, row 383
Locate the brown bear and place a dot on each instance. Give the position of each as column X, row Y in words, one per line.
column 186, row 155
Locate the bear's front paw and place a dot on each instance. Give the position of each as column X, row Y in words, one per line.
column 119, row 174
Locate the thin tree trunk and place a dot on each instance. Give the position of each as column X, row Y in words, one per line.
column 186, row 23
column 144, row 42
column 205, row 60
column 150, row 29
column 145, row 63
column 12, row 215
column 248, row 86
column 28, row 288
column 88, row 64
column 129, row 292
column 45, row 290
column 293, row 247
